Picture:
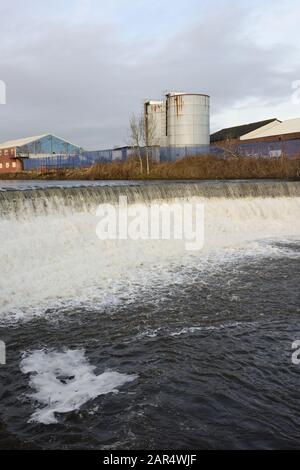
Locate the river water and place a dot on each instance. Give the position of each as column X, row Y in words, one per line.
column 142, row 344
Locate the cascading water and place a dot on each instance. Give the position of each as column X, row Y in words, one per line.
column 50, row 251
column 183, row 334
column 58, row 199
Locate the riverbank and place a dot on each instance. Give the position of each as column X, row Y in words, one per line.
column 198, row 168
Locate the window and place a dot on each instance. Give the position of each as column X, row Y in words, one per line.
column 11, row 151
column 5, row 152
column 1, row 166
column 0, row 153
column 7, row 165
column 14, row 165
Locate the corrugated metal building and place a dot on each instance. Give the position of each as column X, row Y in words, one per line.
column 282, row 131
column 272, row 138
column 13, row 152
column 236, row 133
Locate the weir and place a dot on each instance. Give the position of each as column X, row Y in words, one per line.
column 51, row 255
column 16, row 203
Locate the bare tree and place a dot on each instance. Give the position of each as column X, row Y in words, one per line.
column 150, row 138
column 230, row 148
column 136, row 132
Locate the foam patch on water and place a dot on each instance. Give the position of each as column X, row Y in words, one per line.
column 195, row 329
column 164, row 332
column 64, row 381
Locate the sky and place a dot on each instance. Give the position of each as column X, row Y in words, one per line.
column 79, row 68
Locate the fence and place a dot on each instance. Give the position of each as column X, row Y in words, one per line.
column 290, row 149
column 85, row 159
column 170, row 154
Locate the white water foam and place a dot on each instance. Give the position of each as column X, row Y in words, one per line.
column 227, row 326
column 166, row 331
column 55, row 261
column 64, row 381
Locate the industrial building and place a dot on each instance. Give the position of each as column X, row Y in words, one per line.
column 175, row 128
column 13, row 152
column 235, row 134
column 182, row 120
column 280, row 131
column 272, row 138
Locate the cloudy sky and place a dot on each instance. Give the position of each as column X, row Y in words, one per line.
column 78, row 68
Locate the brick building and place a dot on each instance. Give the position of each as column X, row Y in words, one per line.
column 13, row 152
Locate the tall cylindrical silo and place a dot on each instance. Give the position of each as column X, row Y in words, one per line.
column 155, row 122
column 188, row 119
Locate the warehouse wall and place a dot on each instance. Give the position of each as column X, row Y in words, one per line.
column 48, row 145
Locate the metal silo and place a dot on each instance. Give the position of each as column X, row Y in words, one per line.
column 188, row 119
column 155, row 122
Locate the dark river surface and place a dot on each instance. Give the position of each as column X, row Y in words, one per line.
column 144, row 345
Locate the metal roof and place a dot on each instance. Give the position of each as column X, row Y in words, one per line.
column 238, row 131
column 292, row 126
column 20, row 142
column 154, row 102
column 179, row 93
column 254, row 134
column 28, row 140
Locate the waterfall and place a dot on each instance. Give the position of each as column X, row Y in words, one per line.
column 54, row 200
column 51, row 257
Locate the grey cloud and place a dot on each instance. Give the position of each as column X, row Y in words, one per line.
column 82, row 80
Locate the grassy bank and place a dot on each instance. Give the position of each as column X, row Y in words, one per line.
column 202, row 167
